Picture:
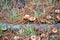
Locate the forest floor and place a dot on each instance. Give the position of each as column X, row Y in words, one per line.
column 29, row 20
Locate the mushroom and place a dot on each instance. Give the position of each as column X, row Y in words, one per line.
column 42, row 20
column 32, row 18
column 42, row 35
column 5, row 38
column 26, row 16
column 58, row 17
column 38, row 38
column 16, row 37
column 33, row 37
column 48, row 17
column 4, row 29
column 57, row 11
column 54, row 30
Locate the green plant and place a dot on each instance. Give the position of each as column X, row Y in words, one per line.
column 29, row 29
column 21, row 31
column 14, row 15
column 36, row 13
column 0, row 27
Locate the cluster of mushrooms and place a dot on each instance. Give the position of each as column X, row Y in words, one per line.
column 37, row 37
column 28, row 17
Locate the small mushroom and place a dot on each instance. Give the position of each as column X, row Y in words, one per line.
column 48, row 17
column 5, row 38
column 4, row 29
column 33, row 37
column 32, row 18
column 42, row 35
column 26, row 16
column 42, row 20
column 38, row 38
column 16, row 37
column 54, row 30
column 58, row 17
column 57, row 11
